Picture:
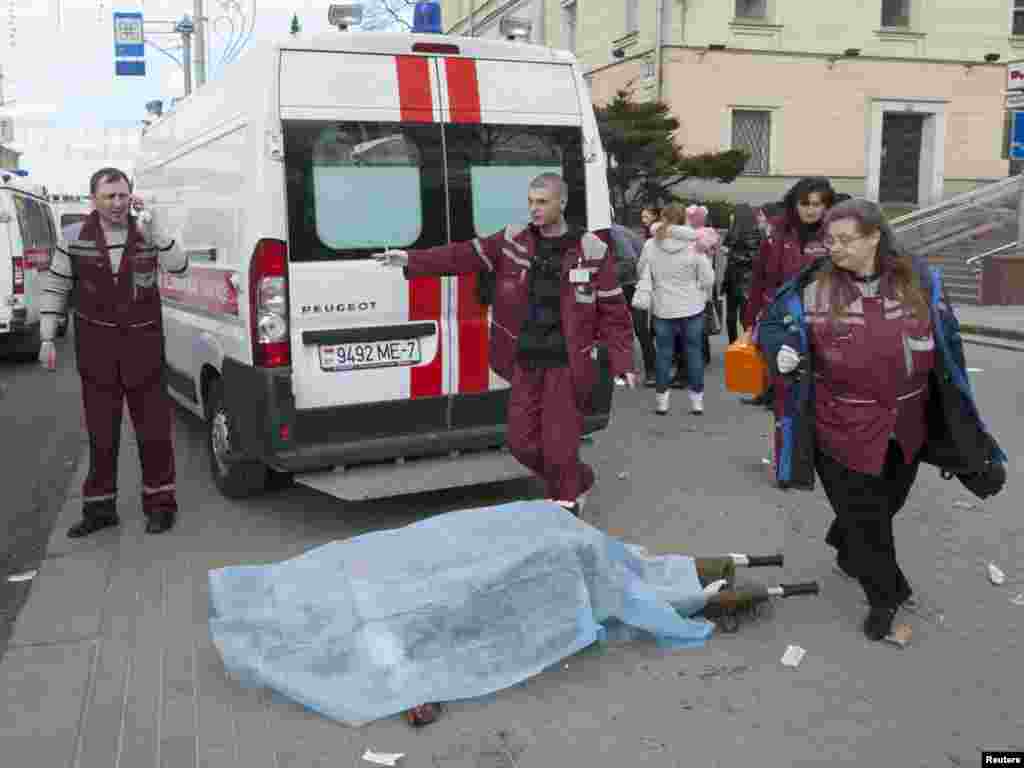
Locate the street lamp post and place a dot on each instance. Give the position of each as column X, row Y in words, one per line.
column 200, row 21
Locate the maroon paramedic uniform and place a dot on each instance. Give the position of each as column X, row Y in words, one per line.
column 120, row 352
column 548, row 400
column 871, row 371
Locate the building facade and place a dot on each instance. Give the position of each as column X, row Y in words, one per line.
column 900, row 101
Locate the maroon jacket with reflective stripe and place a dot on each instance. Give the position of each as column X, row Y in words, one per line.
column 592, row 312
column 871, row 380
column 778, row 261
column 119, row 333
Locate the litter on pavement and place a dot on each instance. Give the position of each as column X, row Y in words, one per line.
column 793, row 656
column 383, row 758
column 964, row 505
column 1018, row 600
column 16, row 578
column 900, row 635
column 995, row 575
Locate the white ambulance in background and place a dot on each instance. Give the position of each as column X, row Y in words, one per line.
column 28, row 235
column 283, row 177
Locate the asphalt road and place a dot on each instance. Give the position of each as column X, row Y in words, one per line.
column 42, row 438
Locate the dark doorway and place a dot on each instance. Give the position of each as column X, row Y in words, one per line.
column 900, row 173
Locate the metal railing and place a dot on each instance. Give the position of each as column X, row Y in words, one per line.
column 968, row 227
column 1008, row 247
column 987, row 194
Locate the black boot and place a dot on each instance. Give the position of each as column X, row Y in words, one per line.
column 160, row 520
column 91, row 524
column 96, row 515
column 878, row 624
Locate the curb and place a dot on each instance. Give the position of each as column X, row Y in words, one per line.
column 988, row 330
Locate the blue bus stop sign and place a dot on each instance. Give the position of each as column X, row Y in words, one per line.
column 129, row 44
column 1017, row 136
column 128, row 40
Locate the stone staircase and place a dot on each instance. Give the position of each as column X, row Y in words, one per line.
column 958, row 233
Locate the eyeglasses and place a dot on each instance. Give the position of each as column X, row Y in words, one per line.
column 832, row 242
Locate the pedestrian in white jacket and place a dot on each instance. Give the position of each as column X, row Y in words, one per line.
column 676, row 277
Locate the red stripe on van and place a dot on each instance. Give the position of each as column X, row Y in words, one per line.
column 463, row 90
column 473, row 342
column 414, row 89
column 425, row 304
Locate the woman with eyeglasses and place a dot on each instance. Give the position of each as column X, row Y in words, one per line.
column 856, row 337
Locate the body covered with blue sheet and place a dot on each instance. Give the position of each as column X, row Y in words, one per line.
column 453, row 607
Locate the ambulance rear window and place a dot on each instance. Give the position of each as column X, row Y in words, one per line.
column 357, row 188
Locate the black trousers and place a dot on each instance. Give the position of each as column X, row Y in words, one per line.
column 862, row 530
column 642, row 329
column 733, row 312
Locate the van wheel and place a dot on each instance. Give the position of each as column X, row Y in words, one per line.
column 236, row 477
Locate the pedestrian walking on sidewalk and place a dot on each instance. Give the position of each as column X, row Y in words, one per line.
column 743, row 242
column 109, row 263
column 557, row 295
column 674, row 281
column 867, row 307
column 628, row 247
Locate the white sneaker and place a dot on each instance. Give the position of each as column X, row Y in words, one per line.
column 696, row 402
column 661, row 402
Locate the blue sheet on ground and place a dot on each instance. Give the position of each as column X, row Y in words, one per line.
column 453, row 607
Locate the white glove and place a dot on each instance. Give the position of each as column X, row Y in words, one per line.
column 392, row 257
column 48, row 355
column 787, row 359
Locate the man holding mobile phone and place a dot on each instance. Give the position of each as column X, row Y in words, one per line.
column 109, row 263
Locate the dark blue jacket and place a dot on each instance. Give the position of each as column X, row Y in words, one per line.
column 958, row 441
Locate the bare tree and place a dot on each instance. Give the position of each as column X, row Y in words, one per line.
column 388, row 15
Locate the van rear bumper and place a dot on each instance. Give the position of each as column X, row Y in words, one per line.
column 262, row 403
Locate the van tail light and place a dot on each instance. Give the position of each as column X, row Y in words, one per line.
column 268, row 305
column 18, row 267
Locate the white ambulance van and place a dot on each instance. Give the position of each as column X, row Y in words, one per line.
column 283, row 177
column 28, row 235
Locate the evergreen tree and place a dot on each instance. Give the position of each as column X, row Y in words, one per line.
column 645, row 162
column 296, row 26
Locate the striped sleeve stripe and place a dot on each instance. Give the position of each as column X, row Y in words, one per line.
column 610, row 294
column 57, row 291
column 167, row 247
column 483, row 256
column 50, row 312
column 55, row 273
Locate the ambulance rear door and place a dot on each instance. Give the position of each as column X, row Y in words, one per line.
column 506, row 122
column 365, row 170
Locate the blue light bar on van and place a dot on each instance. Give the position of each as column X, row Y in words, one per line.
column 426, row 17
column 15, row 171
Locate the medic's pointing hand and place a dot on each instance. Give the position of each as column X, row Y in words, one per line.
column 392, row 258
